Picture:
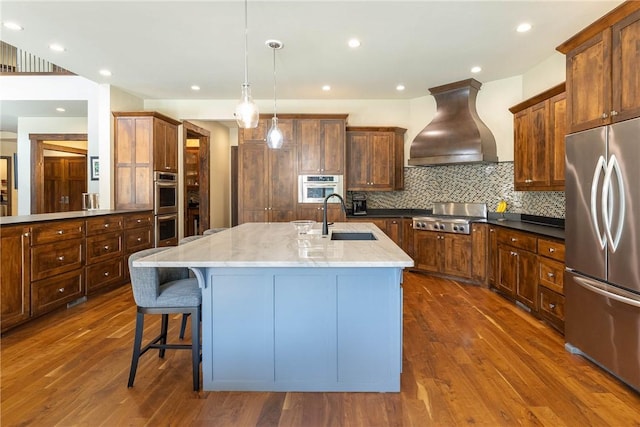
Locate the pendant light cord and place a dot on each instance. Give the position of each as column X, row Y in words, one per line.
column 275, row 109
column 246, row 50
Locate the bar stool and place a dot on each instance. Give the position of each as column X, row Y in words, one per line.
column 185, row 316
column 164, row 290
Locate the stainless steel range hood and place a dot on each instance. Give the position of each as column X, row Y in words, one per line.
column 456, row 134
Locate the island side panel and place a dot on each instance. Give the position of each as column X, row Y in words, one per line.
column 302, row 329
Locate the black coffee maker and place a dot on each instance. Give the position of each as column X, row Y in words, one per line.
column 359, row 204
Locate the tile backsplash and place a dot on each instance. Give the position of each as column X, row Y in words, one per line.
column 478, row 183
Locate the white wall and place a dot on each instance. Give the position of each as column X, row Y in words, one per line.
column 9, row 146
column 550, row 72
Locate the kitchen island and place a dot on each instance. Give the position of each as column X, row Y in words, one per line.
column 283, row 311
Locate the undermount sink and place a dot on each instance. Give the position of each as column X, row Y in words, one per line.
column 352, row 235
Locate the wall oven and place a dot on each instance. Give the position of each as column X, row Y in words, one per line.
column 314, row 188
column 166, row 192
column 166, row 230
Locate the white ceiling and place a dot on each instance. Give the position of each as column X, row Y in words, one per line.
column 158, row 49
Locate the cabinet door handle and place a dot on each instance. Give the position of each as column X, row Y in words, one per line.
column 139, row 239
column 491, row 230
column 106, row 226
column 550, row 274
column 552, row 250
column 139, row 221
column 60, row 232
column 513, row 239
column 528, row 181
column 61, row 258
column 604, row 115
column 106, row 274
column 614, row 113
column 106, row 247
column 61, row 290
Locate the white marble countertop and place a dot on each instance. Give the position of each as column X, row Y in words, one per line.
column 280, row 245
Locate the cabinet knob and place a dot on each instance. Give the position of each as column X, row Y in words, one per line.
column 550, row 274
column 60, row 231
column 61, row 258
column 491, row 230
column 61, row 290
column 513, row 239
column 528, row 181
column 552, row 305
column 604, row 115
column 552, row 250
column 106, row 274
column 139, row 221
column 106, row 247
column 614, row 113
column 106, row 226
column 139, row 239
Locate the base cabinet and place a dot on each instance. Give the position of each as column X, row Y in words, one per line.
column 517, row 266
column 448, row 254
column 15, row 294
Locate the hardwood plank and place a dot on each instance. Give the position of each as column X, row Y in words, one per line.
column 469, row 357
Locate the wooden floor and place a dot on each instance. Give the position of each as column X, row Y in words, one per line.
column 470, row 357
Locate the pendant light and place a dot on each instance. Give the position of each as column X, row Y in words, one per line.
column 275, row 138
column 246, row 114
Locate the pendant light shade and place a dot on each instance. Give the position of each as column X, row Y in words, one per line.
column 275, row 138
column 246, row 113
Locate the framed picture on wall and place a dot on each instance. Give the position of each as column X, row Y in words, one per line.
column 94, row 164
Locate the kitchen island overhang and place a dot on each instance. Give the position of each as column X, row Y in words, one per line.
column 289, row 312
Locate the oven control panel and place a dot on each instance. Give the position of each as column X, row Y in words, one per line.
column 441, row 225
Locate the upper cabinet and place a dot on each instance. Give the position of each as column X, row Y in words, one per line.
column 375, row 158
column 602, row 64
column 539, row 126
column 144, row 142
column 321, row 145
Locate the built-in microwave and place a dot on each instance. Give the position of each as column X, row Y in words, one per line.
column 314, row 188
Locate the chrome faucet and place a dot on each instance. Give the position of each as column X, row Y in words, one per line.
column 325, row 226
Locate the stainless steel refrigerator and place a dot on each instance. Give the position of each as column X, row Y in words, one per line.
column 602, row 231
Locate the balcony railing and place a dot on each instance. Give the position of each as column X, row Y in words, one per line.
column 17, row 61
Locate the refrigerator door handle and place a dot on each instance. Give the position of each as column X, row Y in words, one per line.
column 601, row 168
column 607, row 202
column 591, row 286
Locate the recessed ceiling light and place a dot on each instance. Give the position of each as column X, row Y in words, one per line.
column 524, row 27
column 105, row 72
column 57, row 47
column 476, row 69
column 400, row 87
column 326, row 88
column 195, row 87
column 354, row 43
column 12, row 26
column 60, row 110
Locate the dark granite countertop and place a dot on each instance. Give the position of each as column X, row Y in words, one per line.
column 545, row 226
column 27, row 219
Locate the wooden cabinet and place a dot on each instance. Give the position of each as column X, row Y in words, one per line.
column 144, row 142
column 479, row 252
column 104, row 252
column 65, row 179
column 551, row 282
column 137, row 235
column 267, row 184
column 57, row 264
column 407, row 236
column 492, row 273
column 445, row 253
column 165, row 146
column 375, row 159
column 517, row 266
column 314, row 211
column 321, row 145
column 602, row 63
column 15, row 295
column 539, row 130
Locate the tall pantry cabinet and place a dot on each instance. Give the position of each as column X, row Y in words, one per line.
column 145, row 142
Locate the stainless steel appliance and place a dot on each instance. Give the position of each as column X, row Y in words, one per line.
column 451, row 217
column 166, row 192
column 166, row 230
column 359, row 202
column 314, row 188
column 602, row 230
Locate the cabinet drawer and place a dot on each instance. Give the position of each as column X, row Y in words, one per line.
column 138, row 220
column 551, row 249
column 551, row 274
column 517, row 239
column 103, row 247
column 552, row 307
column 49, row 294
column 55, row 258
column 137, row 239
column 54, row 232
column 104, row 274
column 105, row 224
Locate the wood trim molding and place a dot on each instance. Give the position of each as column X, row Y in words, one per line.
column 549, row 93
column 147, row 114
